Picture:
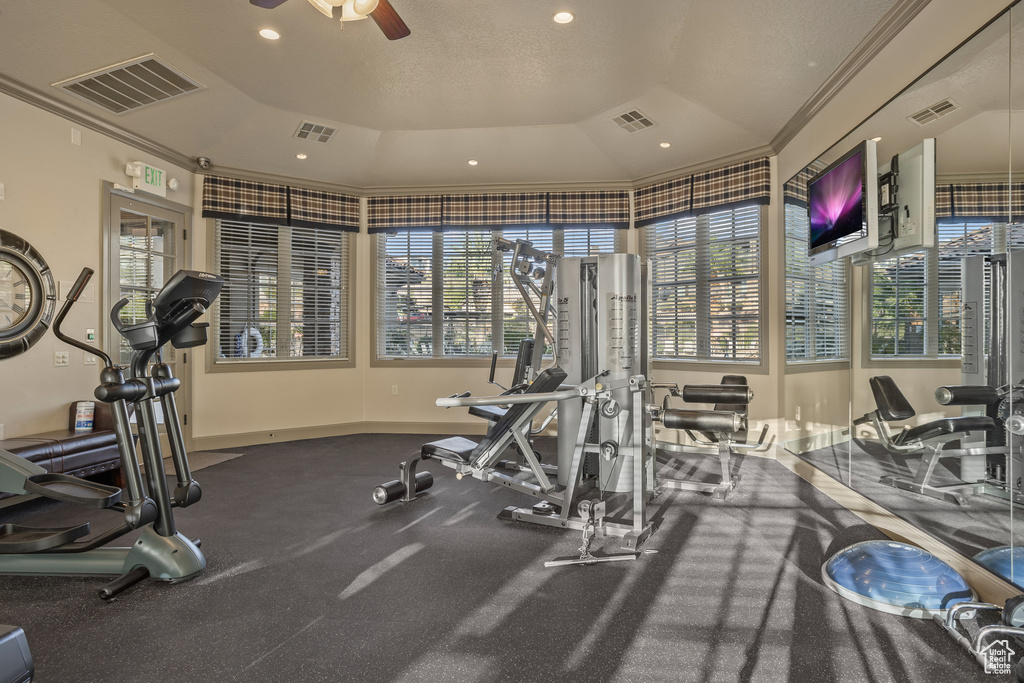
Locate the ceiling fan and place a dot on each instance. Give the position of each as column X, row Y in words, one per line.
column 381, row 11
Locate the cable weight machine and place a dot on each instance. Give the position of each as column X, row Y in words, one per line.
column 599, row 381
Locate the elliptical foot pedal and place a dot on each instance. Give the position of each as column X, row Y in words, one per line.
column 16, row 539
column 73, row 490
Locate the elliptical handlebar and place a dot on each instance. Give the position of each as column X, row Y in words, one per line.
column 71, row 300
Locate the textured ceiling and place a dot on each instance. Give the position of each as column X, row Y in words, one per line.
column 495, row 81
column 980, row 137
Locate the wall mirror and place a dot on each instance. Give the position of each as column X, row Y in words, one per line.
column 900, row 369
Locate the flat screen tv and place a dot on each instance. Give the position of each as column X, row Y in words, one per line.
column 842, row 201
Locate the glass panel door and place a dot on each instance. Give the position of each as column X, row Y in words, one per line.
column 146, row 248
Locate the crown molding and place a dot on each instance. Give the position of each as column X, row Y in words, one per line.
column 48, row 103
column 894, row 21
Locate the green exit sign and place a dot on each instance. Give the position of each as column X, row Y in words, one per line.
column 148, row 178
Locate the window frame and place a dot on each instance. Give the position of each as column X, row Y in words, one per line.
column 799, row 365
column 756, row 367
column 504, row 361
column 214, row 364
column 999, row 236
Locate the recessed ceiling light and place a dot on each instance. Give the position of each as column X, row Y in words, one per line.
column 300, row 155
column 665, row 145
column 472, row 162
column 563, row 17
column 270, row 34
column 878, row 139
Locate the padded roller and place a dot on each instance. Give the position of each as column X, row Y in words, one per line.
column 718, row 393
column 393, row 490
column 718, row 421
column 966, row 395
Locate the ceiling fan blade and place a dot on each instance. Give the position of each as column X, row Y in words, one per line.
column 389, row 21
column 267, row 4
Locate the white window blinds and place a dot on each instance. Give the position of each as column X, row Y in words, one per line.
column 405, row 294
column 706, row 289
column 916, row 298
column 817, row 318
column 466, row 287
column 286, row 292
column 439, row 294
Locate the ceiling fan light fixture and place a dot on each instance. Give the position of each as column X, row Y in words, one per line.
column 354, row 10
column 326, row 8
column 563, row 17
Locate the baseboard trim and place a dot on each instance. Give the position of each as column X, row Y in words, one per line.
column 220, row 442
column 988, row 586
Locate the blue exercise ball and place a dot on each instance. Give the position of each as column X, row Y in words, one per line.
column 895, row 577
column 1006, row 561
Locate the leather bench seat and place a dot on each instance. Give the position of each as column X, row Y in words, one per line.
column 64, row 451
column 949, row 425
column 454, row 449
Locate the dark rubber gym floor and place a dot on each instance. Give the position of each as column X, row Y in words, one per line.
column 308, row 580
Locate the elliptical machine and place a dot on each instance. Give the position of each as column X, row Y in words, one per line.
column 160, row 552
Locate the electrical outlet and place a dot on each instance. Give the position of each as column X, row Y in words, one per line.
column 394, row 390
column 797, row 416
column 89, row 359
column 1, row 432
column 61, row 359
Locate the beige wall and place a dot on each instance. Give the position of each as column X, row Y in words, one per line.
column 54, row 197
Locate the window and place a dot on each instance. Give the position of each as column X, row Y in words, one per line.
column 148, row 242
column 915, row 298
column 286, row 293
column 706, row 288
column 441, row 295
column 817, row 310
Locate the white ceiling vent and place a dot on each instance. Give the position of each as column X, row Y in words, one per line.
column 937, row 110
column 633, row 121
column 130, row 85
column 315, row 132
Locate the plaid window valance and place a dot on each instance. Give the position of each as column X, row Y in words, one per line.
column 520, row 208
column 467, row 211
column 321, row 209
column 669, row 198
column 746, row 182
column 393, row 213
column 609, row 208
column 943, row 201
column 258, row 202
column 794, row 191
column 984, row 200
column 245, row 200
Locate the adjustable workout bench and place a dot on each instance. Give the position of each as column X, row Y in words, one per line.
column 930, row 438
column 479, row 459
